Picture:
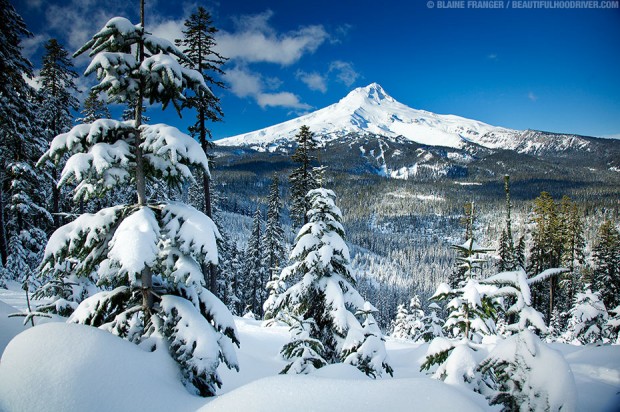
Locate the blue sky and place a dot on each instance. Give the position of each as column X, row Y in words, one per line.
column 554, row 70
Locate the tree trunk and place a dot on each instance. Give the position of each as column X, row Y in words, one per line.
column 4, row 254
column 146, row 276
column 209, row 271
column 552, row 287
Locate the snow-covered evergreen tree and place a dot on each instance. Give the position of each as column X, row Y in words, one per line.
column 94, row 108
column 470, row 255
column 274, row 253
column 302, row 179
column 146, row 255
column 408, row 323
column 606, row 276
column 474, row 309
column 588, row 318
column 400, row 326
column 324, row 301
column 506, row 250
column 254, row 274
column 198, row 44
column 275, row 287
column 432, row 324
column 555, row 329
column 517, row 376
column 273, row 239
column 58, row 89
column 23, row 217
column 612, row 327
column 515, row 372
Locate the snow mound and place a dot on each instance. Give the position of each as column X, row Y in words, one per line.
column 340, row 371
column 9, row 327
column 310, row 393
column 69, row 367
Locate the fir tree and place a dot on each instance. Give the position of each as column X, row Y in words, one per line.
column 433, row 324
column 58, row 91
column 198, row 44
column 509, row 370
column 302, row 179
column 147, row 255
column 470, row 255
column 572, row 232
column 588, row 318
column 546, row 251
column 21, row 140
column 94, row 108
column 273, row 243
column 408, row 323
column 611, row 329
column 507, row 259
column 400, row 326
column 338, row 323
column 606, row 276
column 255, row 275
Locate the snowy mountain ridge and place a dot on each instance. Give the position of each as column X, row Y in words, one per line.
column 371, row 111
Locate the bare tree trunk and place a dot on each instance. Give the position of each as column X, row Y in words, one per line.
column 146, row 276
column 4, row 254
column 55, row 199
column 209, row 271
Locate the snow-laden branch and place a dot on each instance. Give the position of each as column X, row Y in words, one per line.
column 546, row 275
column 170, row 152
column 193, row 232
column 83, row 136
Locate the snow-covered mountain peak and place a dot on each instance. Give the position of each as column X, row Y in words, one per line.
column 371, row 110
column 373, row 94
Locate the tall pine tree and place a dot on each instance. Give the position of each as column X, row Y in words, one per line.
column 58, row 91
column 302, row 179
column 507, row 259
column 255, row 275
column 606, row 276
column 198, row 45
column 22, row 202
column 546, row 251
column 94, row 108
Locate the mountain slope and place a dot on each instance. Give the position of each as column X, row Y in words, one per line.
column 369, row 130
column 370, row 110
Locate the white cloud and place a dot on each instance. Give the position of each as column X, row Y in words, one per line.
column 492, row 56
column 79, row 20
column 168, row 29
column 611, row 136
column 244, row 83
column 345, row 72
column 314, row 80
column 30, row 45
column 256, row 41
column 282, row 99
column 532, row 96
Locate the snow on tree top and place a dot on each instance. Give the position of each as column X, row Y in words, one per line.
column 122, row 25
column 134, row 244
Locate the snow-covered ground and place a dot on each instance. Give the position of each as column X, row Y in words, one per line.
column 57, row 366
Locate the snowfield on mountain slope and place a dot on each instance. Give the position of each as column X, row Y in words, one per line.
column 371, row 110
column 68, row 367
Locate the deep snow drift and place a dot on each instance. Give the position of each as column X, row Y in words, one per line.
column 68, row 367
